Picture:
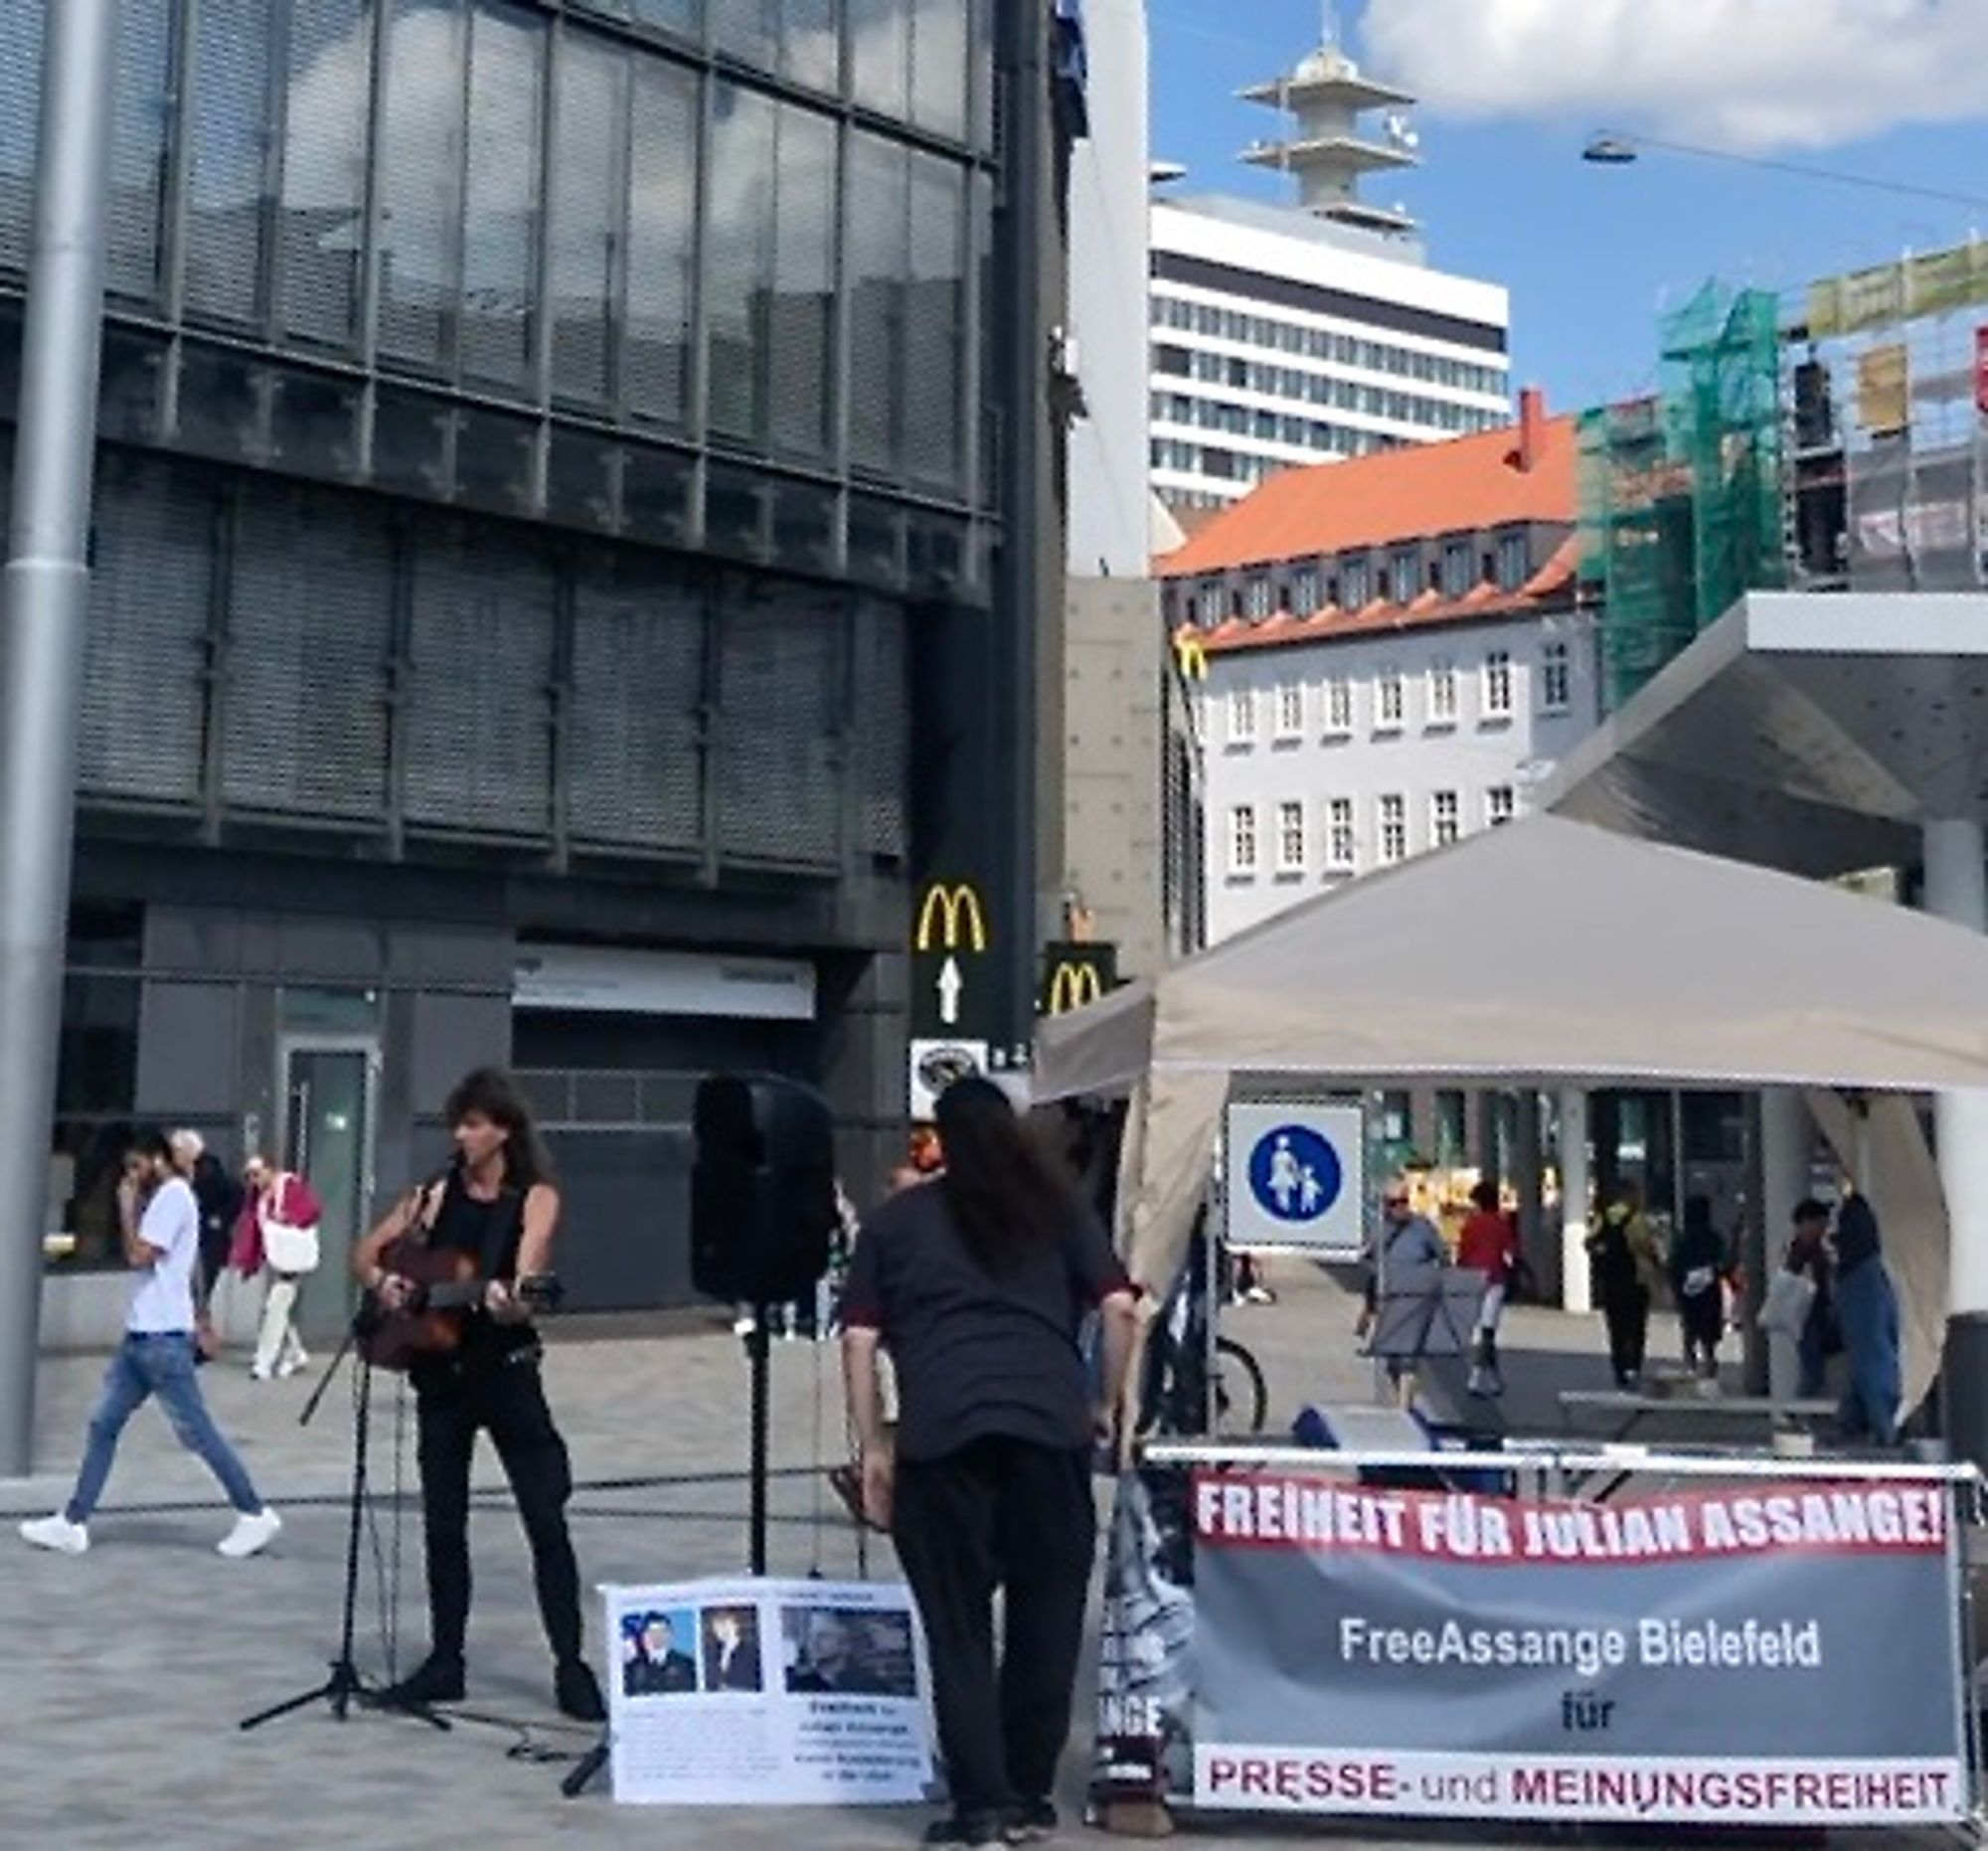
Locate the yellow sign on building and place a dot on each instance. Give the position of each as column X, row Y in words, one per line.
column 951, row 918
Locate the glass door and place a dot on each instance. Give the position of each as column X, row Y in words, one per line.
column 328, row 1139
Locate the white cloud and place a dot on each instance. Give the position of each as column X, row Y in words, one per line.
column 1751, row 76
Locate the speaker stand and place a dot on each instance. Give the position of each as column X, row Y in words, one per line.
column 757, row 1354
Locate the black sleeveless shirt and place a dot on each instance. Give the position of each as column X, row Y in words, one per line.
column 463, row 1225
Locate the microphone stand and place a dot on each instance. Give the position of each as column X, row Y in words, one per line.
column 344, row 1684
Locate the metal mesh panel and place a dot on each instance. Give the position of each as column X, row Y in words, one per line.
column 935, row 319
column 20, row 87
column 586, row 190
column 801, row 349
column 144, row 700
column 138, row 148
column 637, row 770
column 480, row 732
column 879, row 181
column 738, row 255
column 227, row 133
column 662, row 230
column 880, row 40
column 309, row 638
column 881, row 728
column 938, row 66
column 506, row 64
column 779, row 706
column 420, row 181
column 319, row 229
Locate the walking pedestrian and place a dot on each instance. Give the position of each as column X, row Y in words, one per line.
column 977, row 1284
column 1623, row 1247
column 1488, row 1243
column 277, row 1236
column 161, row 1230
column 1866, row 1309
column 1817, row 1337
column 219, row 1197
column 1698, row 1266
column 1408, row 1243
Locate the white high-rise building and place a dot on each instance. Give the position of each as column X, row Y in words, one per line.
column 1296, row 334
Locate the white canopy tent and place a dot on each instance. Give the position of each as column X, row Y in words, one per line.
column 1552, row 954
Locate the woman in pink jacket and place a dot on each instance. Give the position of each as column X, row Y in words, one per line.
column 277, row 1236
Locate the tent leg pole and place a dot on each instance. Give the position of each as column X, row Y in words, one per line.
column 1956, row 889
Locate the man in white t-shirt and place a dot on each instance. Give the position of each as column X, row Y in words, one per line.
column 160, row 1221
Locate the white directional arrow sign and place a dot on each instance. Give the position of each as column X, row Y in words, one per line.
column 950, row 984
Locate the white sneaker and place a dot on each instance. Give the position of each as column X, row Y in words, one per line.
column 256, row 1372
column 251, row 1534
column 57, row 1533
column 291, row 1365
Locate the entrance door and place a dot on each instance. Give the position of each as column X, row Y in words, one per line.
column 328, row 1136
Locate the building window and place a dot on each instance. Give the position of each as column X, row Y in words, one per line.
column 1339, row 844
column 1442, row 693
column 1404, row 571
column 1304, row 590
column 1394, row 830
column 1514, row 562
column 1338, row 708
column 1445, row 818
column 1356, row 576
column 1390, row 703
column 1556, row 679
column 1241, row 716
column 1499, row 805
column 1256, row 599
column 1242, row 839
column 1290, row 838
column 1290, row 709
column 1458, row 558
column 1498, row 685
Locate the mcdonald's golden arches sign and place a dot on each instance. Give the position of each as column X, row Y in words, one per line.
column 1074, row 975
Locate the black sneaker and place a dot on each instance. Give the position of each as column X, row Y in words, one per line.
column 968, row 1828
column 577, row 1692
column 434, row 1680
column 1030, row 1822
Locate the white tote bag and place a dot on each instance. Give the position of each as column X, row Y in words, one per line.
column 1785, row 1310
column 287, row 1246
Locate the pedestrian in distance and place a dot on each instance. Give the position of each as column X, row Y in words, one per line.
column 1808, row 1256
column 160, row 1222
column 1697, row 1263
column 1408, row 1243
column 277, row 1236
column 1628, row 1269
column 1867, row 1310
column 1488, row 1243
column 977, row 1284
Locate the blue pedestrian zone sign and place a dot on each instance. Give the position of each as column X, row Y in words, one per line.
column 1296, row 1176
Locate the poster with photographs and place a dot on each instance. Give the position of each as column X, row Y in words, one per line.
column 774, row 1693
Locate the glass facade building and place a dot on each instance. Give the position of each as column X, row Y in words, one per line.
column 537, row 438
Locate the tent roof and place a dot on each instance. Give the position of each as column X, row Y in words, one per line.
column 1558, row 952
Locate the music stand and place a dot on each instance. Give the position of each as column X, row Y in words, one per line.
column 1426, row 1311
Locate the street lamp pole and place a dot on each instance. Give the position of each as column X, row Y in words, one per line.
column 43, row 605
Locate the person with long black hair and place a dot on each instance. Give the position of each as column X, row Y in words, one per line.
column 978, row 1282
column 497, row 1203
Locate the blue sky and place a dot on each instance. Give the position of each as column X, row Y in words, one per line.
column 1593, row 255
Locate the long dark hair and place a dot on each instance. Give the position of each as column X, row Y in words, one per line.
column 493, row 1093
column 1006, row 1194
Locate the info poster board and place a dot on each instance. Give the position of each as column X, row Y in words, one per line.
column 768, row 1693
column 1294, row 1171
column 1789, row 1653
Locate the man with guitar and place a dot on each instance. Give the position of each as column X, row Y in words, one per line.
column 452, row 1275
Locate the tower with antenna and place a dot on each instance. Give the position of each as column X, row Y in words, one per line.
column 1328, row 144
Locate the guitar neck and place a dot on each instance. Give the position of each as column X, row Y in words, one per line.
column 540, row 1294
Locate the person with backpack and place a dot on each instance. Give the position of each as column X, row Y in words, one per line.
column 1623, row 1251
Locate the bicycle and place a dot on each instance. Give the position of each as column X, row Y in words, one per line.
column 1186, row 1391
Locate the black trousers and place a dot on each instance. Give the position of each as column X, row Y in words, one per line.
column 1703, row 1316
column 505, row 1396
column 999, row 1513
column 1627, row 1309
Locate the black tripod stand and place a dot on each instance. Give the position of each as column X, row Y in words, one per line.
column 345, row 1683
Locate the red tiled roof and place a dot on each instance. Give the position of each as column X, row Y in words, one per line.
column 1462, row 484
column 1551, row 586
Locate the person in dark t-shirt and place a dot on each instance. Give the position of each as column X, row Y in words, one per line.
column 978, row 1282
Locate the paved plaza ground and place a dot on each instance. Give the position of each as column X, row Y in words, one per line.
column 124, row 1673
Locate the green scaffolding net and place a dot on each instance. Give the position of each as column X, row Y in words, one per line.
column 1681, row 493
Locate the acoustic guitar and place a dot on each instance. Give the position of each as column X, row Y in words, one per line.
column 449, row 1291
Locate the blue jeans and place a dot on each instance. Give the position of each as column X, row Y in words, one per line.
column 1866, row 1309
column 161, row 1364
